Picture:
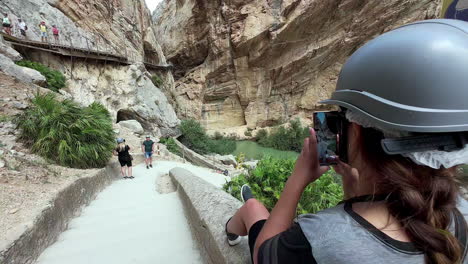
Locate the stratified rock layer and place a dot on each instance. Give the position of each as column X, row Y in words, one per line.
column 259, row 63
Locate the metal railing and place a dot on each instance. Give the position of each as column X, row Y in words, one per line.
column 95, row 44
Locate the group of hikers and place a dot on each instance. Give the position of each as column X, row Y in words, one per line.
column 148, row 147
column 23, row 28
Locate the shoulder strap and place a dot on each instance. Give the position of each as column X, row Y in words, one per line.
column 461, row 230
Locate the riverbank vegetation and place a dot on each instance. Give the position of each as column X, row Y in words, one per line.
column 171, row 145
column 55, row 79
column 267, row 181
column 70, row 135
column 195, row 138
column 290, row 138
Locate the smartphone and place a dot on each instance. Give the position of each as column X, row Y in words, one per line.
column 327, row 126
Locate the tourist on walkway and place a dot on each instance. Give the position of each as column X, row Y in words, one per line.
column 43, row 30
column 6, row 24
column 22, row 27
column 125, row 158
column 404, row 118
column 55, row 32
column 148, row 148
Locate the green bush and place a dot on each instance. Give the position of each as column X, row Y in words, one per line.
column 157, row 81
column 55, row 79
column 261, row 136
column 66, row 133
column 5, row 118
column 195, row 138
column 171, row 145
column 248, row 133
column 267, row 182
column 281, row 138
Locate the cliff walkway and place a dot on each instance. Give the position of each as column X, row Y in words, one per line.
column 93, row 50
column 131, row 222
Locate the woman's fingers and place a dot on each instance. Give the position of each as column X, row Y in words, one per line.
column 323, row 169
column 312, row 139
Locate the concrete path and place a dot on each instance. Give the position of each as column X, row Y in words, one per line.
column 129, row 222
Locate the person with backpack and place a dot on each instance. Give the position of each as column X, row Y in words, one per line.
column 125, row 159
column 148, row 148
column 6, row 24
column 43, row 29
column 404, row 120
column 55, row 32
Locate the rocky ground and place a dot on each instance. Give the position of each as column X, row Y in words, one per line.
column 27, row 182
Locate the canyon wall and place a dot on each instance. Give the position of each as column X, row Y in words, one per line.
column 260, row 63
column 121, row 27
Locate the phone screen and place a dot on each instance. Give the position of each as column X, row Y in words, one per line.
column 327, row 145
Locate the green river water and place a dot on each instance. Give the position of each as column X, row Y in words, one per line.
column 252, row 150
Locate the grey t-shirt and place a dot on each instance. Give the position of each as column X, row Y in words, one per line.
column 339, row 235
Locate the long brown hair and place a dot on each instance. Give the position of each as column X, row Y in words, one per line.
column 422, row 199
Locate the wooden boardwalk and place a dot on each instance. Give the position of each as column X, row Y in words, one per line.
column 78, row 52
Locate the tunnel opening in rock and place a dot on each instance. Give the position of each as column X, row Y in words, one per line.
column 123, row 115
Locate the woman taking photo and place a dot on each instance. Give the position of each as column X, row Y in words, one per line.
column 403, row 100
column 125, row 158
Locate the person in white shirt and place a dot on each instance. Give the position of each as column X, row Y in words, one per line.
column 22, row 27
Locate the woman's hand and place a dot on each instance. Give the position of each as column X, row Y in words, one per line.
column 350, row 178
column 307, row 168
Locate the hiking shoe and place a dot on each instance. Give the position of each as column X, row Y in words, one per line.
column 147, row 167
column 246, row 193
column 232, row 239
column 151, row 165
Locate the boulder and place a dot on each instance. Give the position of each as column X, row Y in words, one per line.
column 133, row 126
column 8, row 51
column 250, row 164
column 228, row 160
column 21, row 73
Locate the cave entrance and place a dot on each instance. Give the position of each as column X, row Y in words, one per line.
column 123, row 115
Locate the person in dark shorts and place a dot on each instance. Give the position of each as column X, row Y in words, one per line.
column 148, row 148
column 6, row 23
column 125, row 158
column 404, row 123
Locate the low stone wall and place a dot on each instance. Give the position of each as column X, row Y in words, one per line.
column 54, row 219
column 198, row 159
column 207, row 209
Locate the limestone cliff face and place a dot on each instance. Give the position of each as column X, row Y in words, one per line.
column 121, row 27
column 258, row 63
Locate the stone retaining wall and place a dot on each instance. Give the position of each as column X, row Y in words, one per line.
column 54, row 219
column 198, row 159
column 207, row 209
